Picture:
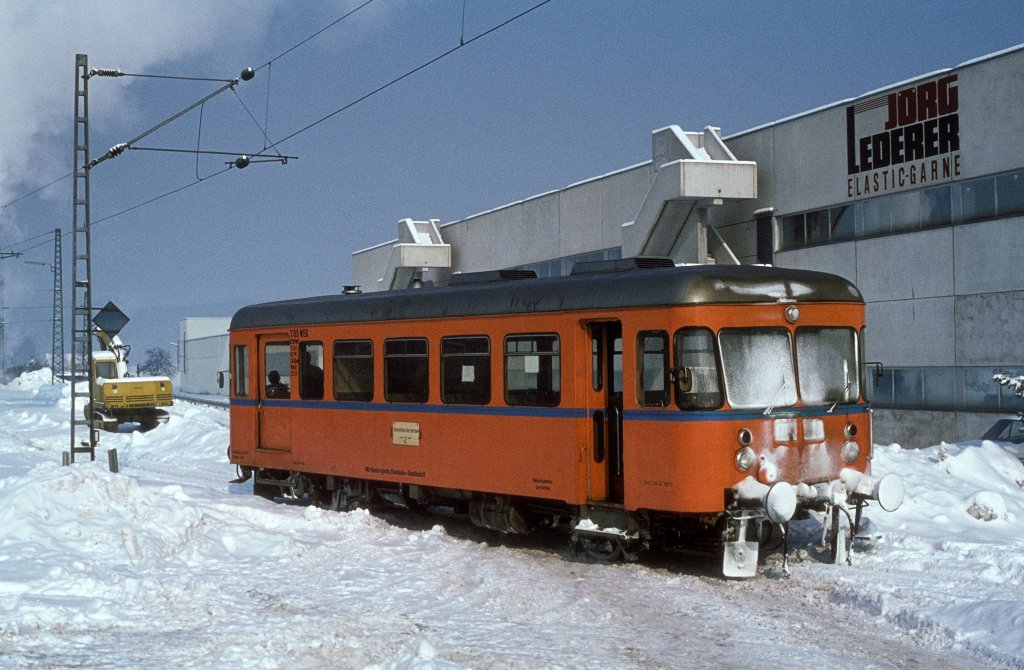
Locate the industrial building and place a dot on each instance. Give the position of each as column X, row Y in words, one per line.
column 915, row 192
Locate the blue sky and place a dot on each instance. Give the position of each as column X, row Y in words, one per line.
column 570, row 91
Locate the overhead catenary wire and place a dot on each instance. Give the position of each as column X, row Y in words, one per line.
column 337, row 111
column 314, row 35
column 118, row 149
column 409, row 73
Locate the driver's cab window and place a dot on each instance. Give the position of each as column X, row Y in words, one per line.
column 106, row 370
column 277, row 369
column 696, row 370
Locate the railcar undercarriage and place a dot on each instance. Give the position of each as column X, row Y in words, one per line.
column 603, row 532
column 757, row 516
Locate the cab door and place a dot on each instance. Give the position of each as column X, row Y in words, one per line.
column 604, row 408
column 273, row 413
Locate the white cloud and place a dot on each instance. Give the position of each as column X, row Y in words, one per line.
column 38, row 43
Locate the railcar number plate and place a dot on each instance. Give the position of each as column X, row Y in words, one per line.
column 405, row 432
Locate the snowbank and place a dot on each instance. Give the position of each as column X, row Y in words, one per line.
column 166, row 565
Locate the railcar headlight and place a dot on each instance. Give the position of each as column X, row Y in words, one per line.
column 745, row 459
column 850, row 431
column 851, row 452
column 745, row 437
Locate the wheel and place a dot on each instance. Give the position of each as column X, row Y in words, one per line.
column 603, row 550
column 338, row 500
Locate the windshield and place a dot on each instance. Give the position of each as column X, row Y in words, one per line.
column 106, row 370
column 758, row 367
column 827, row 358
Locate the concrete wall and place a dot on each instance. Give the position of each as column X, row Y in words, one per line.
column 203, row 352
column 578, row 219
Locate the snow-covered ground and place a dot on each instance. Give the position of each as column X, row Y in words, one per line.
column 167, row 565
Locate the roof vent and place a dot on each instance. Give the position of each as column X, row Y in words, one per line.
column 490, row 277
column 622, row 265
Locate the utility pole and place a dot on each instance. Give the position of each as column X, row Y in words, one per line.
column 3, row 341
column 57, row 342
column 57, row 348
column 81, row 268
column 81, row 274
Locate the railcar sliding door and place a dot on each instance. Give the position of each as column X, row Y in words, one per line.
column 274, row 416
column 605, row 411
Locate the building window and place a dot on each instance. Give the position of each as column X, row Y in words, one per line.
column 1010, row 194
column 406, row 368
column 978, row 198
column 652, row 369
column 908, row 387
column 843, row 222
column 876, row 217
column 938, row 207
column 943, row 389
column 793, row 232
column 532, row 370
column 466, row 370
column 961, row 202
column 241, row 376
column 939, row 388
column 906, row 211
column 562, row 266
column 816, row 227
column 353, row 370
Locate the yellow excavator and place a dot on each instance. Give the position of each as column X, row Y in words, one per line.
column 119, row 398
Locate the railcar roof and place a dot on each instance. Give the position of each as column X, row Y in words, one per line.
column 657, row 287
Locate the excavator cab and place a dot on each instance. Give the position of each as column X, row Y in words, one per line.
column 121, row 399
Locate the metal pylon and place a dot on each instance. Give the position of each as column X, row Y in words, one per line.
column 3, row 340
column 57, row 350
column 83, row 436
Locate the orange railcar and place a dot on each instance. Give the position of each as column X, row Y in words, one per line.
column 634, row 401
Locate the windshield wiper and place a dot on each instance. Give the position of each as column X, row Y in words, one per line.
column 778, row 394
column 842, row 397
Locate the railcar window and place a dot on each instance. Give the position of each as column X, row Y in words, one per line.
column 277, row 369
column 466, row 370
column 353, row 370
column 406, row 370
column 311, row 370
column 696, row 370
column 241, row 377
column 652, row 368
column 827, row 361
column 597, row 363
column 757, row 364
column 865, row 375
column 532, row 370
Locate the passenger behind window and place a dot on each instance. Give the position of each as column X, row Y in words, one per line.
column 275, row 389
column 311, row 379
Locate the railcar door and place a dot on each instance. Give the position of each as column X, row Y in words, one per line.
column 274, row 416
column 605, row 410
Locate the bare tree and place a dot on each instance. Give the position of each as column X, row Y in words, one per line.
column 158, row 363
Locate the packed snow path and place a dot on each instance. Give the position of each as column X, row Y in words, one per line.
column 166, row 565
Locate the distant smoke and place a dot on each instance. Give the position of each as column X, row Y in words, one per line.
column 38, row 43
